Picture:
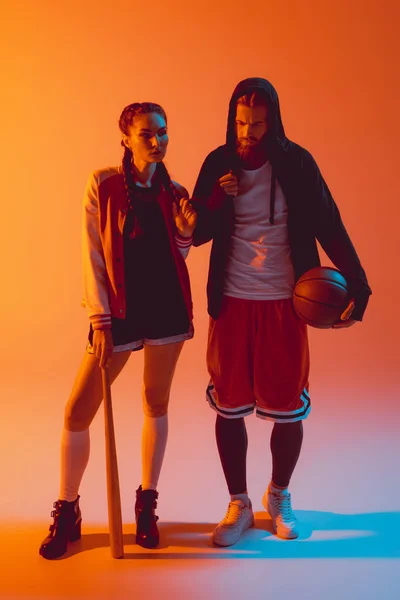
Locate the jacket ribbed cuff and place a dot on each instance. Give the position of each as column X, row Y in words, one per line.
column 183, row 242
column 100, row 321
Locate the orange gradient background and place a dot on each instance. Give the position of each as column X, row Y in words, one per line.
column 68, row 70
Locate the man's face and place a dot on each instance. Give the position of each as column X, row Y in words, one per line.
column 250, row 126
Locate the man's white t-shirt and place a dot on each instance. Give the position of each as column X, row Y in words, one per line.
column 259, row 265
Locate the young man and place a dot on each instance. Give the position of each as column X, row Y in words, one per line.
column 263, row 202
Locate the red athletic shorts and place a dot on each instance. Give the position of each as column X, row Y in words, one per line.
column 258, row 358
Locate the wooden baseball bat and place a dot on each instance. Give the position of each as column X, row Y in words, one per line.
column 113, row 492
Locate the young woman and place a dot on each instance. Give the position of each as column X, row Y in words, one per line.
column 137, row 231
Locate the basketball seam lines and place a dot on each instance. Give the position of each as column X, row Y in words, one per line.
column 317, row 302
column 323, row 279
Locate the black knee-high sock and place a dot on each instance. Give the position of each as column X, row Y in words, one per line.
column 231, row 438
column 286, row 441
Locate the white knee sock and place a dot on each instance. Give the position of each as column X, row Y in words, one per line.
column 154, row 441
column 75, row 450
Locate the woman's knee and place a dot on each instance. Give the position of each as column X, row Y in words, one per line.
column 79, row 413
column 155, row 401
column 155, row 411
column 76, row 422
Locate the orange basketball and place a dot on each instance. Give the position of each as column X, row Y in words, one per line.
column 320, row 296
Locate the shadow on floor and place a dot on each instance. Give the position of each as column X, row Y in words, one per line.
column 322, row 535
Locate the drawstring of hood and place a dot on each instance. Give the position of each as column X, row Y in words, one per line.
column 275, row 138
column 272, row 198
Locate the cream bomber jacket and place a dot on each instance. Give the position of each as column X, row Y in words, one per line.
column 105, row 208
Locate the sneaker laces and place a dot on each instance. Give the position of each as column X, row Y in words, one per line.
column 284, row 506
column 234, row 513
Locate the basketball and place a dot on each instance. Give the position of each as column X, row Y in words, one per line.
column 320, row 296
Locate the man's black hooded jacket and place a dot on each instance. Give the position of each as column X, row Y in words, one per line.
column 312, row 212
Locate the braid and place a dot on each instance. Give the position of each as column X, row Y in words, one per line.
column 167, row 182
column 128, row 177
column 125, row 122
column 130, row 189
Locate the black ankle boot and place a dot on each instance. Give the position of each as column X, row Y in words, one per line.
column 147, row 534
column 65, row 528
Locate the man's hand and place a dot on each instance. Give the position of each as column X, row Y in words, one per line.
column 185, row 219
column 103, row 346
column 229, row 184
column 345, row 320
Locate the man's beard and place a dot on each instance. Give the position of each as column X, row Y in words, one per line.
column 251, row 156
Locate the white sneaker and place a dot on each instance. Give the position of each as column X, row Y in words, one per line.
column 279, row 507
column 238, row 518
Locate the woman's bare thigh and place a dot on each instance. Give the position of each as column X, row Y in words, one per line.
column 87, row 391
column 159, row 368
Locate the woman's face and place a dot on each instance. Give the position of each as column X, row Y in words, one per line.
column 148, row 138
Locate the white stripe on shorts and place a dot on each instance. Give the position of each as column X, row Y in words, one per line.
column 287, row 416
column 228, row 413
column 147, row 342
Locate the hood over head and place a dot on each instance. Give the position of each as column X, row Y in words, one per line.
column 276, row 133
column 275, row 136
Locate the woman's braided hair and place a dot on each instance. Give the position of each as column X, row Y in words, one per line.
column 125, row 122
